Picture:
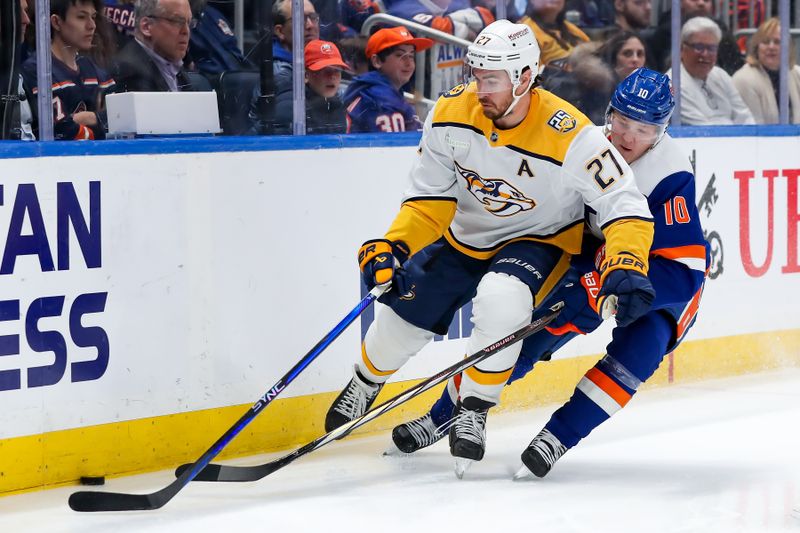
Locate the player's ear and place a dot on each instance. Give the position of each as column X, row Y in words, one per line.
column 524, row 83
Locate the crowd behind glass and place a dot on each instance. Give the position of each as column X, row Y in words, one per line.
column 363, row 81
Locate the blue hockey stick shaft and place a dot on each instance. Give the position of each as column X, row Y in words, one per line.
column 90, row 501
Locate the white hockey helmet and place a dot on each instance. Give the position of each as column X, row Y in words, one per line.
column 503, row 45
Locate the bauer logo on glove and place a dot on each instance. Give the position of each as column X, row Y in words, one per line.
column 381, row 262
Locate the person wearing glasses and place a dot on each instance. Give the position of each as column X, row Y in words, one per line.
column 153, row 61
column 79, row 85
column 729, row 57
column 708, row 95
column 374, row 100
column 757, row 81
column 283, row 35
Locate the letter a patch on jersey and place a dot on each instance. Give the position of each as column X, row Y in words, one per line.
column 524, row 167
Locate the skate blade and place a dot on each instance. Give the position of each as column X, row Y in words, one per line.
column 394, row 451
column 462, row 465
column 523, row 473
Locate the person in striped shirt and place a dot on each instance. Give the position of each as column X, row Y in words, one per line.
column 79, row 85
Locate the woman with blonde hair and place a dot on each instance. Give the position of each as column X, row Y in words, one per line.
column 757, row 80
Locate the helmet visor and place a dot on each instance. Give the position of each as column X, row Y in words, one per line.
column 619, row 124
column 482, row 81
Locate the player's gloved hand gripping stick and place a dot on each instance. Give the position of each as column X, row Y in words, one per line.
column 626, row 293
column 112, row 501
column 381, row 263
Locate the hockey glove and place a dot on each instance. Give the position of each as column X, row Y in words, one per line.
column 381, row 262
column 629, row 292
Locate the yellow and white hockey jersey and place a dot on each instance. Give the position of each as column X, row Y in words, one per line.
column 483, row 187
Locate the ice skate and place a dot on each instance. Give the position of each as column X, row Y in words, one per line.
column 418, row 433
column 352, row 402
column 468, row 433
column 540, row 455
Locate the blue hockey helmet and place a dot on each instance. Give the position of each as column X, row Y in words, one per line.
column 646, row 96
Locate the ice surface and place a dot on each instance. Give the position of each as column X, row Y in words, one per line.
column 714, row 456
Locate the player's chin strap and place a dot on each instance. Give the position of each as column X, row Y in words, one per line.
column 516, row 98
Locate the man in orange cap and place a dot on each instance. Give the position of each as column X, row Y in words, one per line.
column 324, row 108
column 375, row 100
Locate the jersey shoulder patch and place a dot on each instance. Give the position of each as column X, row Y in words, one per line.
column 562, row 122
column 455, row 91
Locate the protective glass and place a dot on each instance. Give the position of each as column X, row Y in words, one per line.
column 622, row 125
column 486, row 81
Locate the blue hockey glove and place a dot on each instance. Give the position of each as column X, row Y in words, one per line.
column 381, row 262
column 627, row 291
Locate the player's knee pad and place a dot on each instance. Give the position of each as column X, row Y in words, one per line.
column 390, row 341
column 502, row 304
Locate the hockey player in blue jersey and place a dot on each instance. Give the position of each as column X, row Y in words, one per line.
column 638, row 114
column 374, row 101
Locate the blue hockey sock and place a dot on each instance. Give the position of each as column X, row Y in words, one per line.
column 442, row 410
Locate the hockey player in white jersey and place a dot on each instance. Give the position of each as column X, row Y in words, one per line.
column 637, row 117
column 493, row 212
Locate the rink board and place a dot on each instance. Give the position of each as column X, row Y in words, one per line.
column 154, row 289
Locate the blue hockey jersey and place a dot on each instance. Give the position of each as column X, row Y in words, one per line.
column 678, row 256
column 73, row 91
column 374, row 105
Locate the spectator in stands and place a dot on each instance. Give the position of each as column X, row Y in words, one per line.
column 632, row 15
column 592, row 71
column 556, row 36
column 729, row 57
column 708, row 95
column 120, row 14
column 282, row 26
column 22, row 116
column 757, row 80
column 79, row 85
column 512, row 13
column 212, row 45
column 456, row 17
column 375, row 101
column 625, row 52
column 584, row 79
column 590, row 13
column 353, row 13
column 354, row 53
column 324, row 108
column 153, row 61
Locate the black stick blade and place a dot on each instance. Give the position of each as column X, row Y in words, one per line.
column 209, row 473
column 92, row 501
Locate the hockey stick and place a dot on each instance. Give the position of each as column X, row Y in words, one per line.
column 89, row 501
column 216, row 472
